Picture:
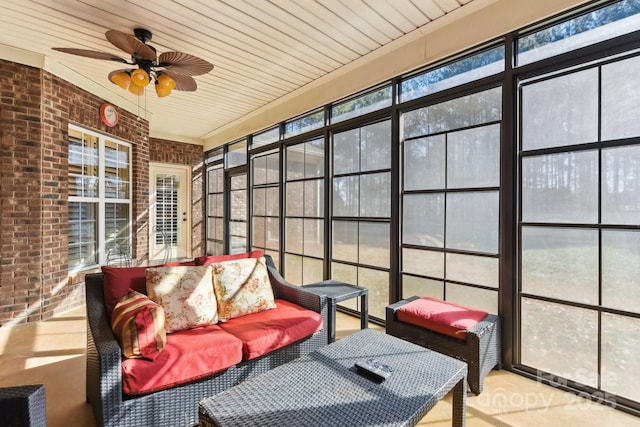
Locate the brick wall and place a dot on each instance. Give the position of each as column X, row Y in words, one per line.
column 36, row 108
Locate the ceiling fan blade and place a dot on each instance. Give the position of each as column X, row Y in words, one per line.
column 91, row 54
column 130, row 44
column 183, row 63
column 183, row 82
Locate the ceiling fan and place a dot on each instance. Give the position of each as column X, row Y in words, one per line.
column 169, row 70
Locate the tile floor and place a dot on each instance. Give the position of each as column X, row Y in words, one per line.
column 53, row 353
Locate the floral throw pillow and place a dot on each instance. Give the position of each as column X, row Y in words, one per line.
column 186, row 295
column 242, row 287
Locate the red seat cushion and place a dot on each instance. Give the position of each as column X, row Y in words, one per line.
column 210, row 259
column 187, row 356
column 441, row 316
column 269, row 330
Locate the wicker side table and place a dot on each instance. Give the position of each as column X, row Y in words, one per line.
column 23, row 406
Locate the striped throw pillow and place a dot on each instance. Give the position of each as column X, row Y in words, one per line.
column 138, row 324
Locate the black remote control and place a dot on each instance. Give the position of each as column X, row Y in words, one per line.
column 374, row 370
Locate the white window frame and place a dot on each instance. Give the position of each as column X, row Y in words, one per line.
column 102, row 200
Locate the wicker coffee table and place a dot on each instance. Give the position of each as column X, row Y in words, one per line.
column 325, row 389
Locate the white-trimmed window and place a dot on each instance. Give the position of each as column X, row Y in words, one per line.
column 99, row 198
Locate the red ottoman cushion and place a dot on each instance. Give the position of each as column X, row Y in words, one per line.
column 441, row 316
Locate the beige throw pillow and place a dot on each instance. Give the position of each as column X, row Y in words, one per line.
column 186, row 295
column 242, row 287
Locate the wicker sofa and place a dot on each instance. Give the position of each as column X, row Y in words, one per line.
column 176, row 406
column 481, row 349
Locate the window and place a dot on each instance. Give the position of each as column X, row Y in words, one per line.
column 470, row 68
column 215, row 210
column 614, row 20
column 362, row 211
column 266, row 204
column 266, row 137
column 99, row 198
column 304, row 212
column 306, row 123
column 362, row 104
column 450, row 202
column 579, row 224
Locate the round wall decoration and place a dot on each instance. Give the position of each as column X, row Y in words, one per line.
column 108, row 114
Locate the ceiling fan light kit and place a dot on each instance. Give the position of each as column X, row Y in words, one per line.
column 170, row 70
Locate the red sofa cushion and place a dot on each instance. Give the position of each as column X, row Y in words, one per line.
column 269, row 330
column 210, row 259
column 187, row 356
column 118, row 281
column 441, row 316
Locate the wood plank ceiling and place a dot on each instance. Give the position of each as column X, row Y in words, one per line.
column 261, row 49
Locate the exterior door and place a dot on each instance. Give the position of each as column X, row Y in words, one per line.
column 169, row 213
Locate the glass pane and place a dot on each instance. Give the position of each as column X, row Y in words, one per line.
column 293, row 269
column 266, row 137
column 273, row 168
column 473, row 157
column 314, row 198
column 560, row 111
column 344, row 273
column 295, row 198
column 259, row 201
column 560, row 263
column 621, row 99
column 560, row 187
column 83, row 234
column 259, row 237
column 599, row 25
column 424, row 163
column 375, row 195
column 561, row 340
column 364, row 104
column 378, row 284
column 426, row 263
column 304, row 124
column 481, row 299
column 620, row 355
column 272, row 195
column 375, row 146
column 295, row 162
column 237, row 154
column 293, row 236
column 470, row 110
column 620, row 268
column 621, row 185
column 272, row 227
column 476, row 232
column 313, row 270
column 345, row 241
column 417, row 286
column 346, row 152
column 314, row 159
column 346, row 196
column 314, row 237
column 259, row 170
column 423, row 219
column 456, row 73
column 476, row 270
column 219, row 229
column 374, row 244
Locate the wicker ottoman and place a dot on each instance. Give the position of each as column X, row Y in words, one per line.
column 481, row 349
column 23, row 406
